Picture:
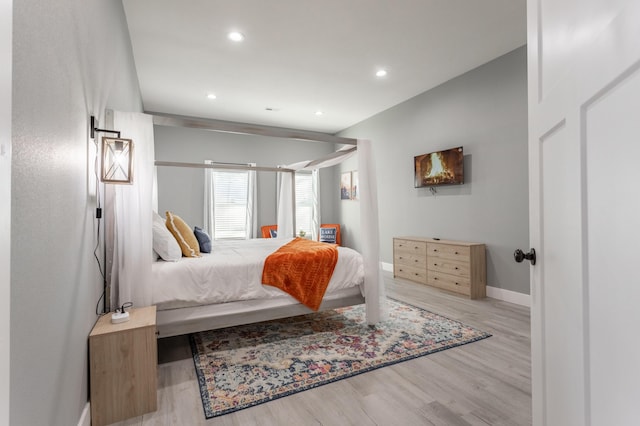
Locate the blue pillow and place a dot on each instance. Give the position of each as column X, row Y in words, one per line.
column 328, row 235
column 204, row 240
column 273, row 233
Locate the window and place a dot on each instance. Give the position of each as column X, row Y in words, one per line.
column 304, row 203
column 307, row 203
column 230, row 203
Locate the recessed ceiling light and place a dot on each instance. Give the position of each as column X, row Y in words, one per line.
column 211, row 96
column 381, row 73
column 235, row 36
column 319, row 112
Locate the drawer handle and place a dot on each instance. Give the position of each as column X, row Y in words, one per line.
column 455, row 252
column 435, row 249
column 416, row 247
column 417, row 274
column 400, row 270
column 456, row 268
column 435, row 278
column 415, row 260
column 399, row 257
column 457, row 284
column 399, row 245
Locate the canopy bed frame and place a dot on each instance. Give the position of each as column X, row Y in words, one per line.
column 174, row 322
column 178, row 321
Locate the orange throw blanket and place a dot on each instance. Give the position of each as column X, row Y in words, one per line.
column 302, row 268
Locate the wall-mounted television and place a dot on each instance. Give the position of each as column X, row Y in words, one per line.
column 439, row 168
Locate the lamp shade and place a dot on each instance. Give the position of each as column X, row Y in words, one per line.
column 117, row 160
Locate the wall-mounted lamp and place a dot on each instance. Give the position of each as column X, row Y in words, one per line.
column 117, row 160
column 117, row 156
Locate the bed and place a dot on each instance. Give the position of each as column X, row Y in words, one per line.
column 225, row 288
column 132, row 277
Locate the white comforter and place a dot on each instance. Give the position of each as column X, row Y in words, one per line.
column 232, row 272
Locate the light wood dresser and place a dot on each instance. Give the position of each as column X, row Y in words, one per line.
column 123, row 362
column 456, row 266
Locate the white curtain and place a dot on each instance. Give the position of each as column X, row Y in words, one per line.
column 252, row 205
column 154, row 193
column 132, row 257
column 374, row 291
column 316, row 220
column 208, row 213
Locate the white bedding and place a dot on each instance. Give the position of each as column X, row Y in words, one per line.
column 232, row 272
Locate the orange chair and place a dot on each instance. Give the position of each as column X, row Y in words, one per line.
column 269, row 231
column 331, row 236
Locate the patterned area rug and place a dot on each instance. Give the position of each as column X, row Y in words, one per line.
column 240, row 367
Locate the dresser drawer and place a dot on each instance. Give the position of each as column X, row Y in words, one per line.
column 446, row 251
column 418, row 248
column 410, row 259
column 410, row 273
column 449, row 282
column 447, row 266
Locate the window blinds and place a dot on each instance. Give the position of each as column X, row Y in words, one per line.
column 231, row 195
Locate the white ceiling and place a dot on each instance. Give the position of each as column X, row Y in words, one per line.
column 300, row 56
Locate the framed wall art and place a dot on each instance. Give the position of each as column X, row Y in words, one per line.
column 345, row 186
column 354, row 185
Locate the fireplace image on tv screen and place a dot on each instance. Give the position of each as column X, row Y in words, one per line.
column 439, row 168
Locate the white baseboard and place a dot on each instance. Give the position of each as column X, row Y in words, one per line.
column 85, row 418
column 509, row 296
column 387, row 266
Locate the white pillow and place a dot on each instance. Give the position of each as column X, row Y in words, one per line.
column 164, row 243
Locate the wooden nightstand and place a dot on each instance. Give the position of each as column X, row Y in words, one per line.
column 123, row 362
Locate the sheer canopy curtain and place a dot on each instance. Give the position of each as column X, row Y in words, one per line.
column 252, row 205
column 208, row 224
column 315, row 212
column 374, row 291
column 132, row 207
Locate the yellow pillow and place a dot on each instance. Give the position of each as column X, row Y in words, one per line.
column 184, row 235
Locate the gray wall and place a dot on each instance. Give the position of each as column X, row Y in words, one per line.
column 181, row 190
column 71, row 59
column 485, row 110
column 6, row 29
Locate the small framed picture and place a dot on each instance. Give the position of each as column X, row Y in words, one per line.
column 354, row 185
column 345, row 186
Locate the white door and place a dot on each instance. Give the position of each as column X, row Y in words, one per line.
column 584, row 170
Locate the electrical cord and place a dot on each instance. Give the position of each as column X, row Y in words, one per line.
column 99, row 218
column 95, row 255
column 124, row 306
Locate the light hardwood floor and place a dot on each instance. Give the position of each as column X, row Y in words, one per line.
column 482, row 383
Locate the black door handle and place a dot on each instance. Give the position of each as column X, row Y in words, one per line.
column 519, row 256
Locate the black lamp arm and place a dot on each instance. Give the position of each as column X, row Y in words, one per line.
column 95, row 129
